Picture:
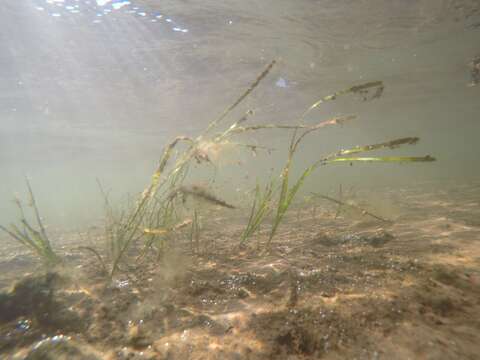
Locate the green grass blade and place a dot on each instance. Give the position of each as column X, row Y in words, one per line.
column 18, row 235
column 286, row 201
column 24, row 238
column 358, row 89
column 385, row 145
column 242, row 97
column 37, row 213
column 260, row 209
column 386, row 159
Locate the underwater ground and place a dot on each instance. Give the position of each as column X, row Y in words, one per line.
column 336, row 285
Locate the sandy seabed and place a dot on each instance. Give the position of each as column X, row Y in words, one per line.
column 349, row 287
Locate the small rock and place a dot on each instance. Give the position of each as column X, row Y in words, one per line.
column 137, row 337
column 242, row 293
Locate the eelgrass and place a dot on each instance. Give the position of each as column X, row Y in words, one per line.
column 34, row 239
column 156, row 215
column 195, row 233
column 287, row 194
column 123, row 232
column 261, row 208
column 341, row 203
column 388, row 159
column 167, row 182
column 97, row 256
column 172, row 179
column 115, row 231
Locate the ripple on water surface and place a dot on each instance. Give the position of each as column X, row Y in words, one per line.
column 98, row 11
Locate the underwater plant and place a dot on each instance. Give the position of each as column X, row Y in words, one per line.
column 261, row 208
column 34, row 239
column 128, row 230
column 195, row 233
column 157, row 211
column 115, row 230
column 287, row 194
column 341, row 203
